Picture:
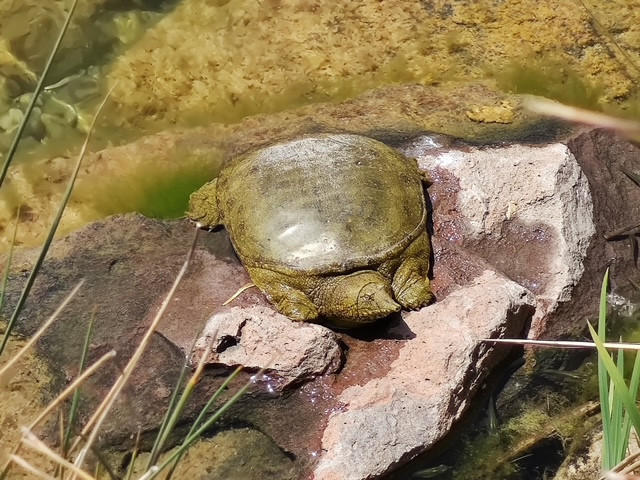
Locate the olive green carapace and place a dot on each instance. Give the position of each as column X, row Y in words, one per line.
column 330, row 226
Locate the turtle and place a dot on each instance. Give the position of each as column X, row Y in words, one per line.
column 329, row 227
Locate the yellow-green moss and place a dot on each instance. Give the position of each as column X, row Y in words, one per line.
column 221, row 61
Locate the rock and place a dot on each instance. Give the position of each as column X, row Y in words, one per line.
column 540, row 214
column 527, row 210
column 259, row 337
column 616, row 201
column 408, row 410
column 585, row 462
column 128, row 264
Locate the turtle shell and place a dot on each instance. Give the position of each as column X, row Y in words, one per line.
column 321, row 204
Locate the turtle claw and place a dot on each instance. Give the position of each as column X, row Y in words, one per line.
column 358, row 298
column 414, row 294
column 375, row 301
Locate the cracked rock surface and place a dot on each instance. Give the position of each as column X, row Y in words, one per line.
column 257, row 337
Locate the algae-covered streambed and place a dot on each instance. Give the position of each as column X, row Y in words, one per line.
column 196, row 82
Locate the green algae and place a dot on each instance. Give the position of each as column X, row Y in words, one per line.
column 544, row 432
column 228, row 60
column 155, row 190
column 297, row 54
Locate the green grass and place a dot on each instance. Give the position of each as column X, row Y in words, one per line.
column 617, row 399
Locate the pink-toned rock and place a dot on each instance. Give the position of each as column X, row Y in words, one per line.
column 387, row 421
column 526, row 210
column 259, row 337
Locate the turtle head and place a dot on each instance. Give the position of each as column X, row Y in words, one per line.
column 203, row 206
column 356, row 299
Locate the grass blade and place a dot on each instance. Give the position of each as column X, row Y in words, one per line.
column 174, row 399
column 175, row 411
column 41, row 330
column 617, row 415
column 625, row 395
column 16, row 139
column 634, row 249
column 157, row 447
column 603, row 378
column 634, row 347
column 5, row 275
column 73, row 410
column 154, row 471
column 608, row 36
column 207, row 408
column 134, row 456
column 61, row 397
column 33, row 442
column 626, row 424
column 198, row 421
column 95, row 422
column 634, row 177
column 622, row 233
column 30, row 468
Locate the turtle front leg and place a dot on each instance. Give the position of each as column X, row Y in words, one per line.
column 287, row 299
column 411, row 286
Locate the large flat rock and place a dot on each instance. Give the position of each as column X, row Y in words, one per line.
column 526, row 209
column 385, row 421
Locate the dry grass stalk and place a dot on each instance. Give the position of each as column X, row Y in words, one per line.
column 67, row 391
column 628, row 128
column 562, row 343
column 40, row 331
column 30, row 468
column 33, row 442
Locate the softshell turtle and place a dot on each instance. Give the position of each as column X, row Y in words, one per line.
column 330, row 226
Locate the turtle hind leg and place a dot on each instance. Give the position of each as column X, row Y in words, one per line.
column 411, row 286
column 354, row 299
column 287, row 299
